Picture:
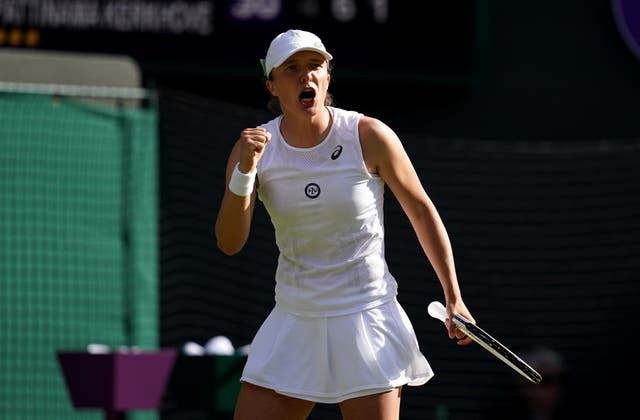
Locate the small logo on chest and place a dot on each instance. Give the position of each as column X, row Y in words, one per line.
column 312, row 190
column 336, row 152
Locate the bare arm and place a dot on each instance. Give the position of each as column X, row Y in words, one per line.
column 385, row 155
column 234, row 217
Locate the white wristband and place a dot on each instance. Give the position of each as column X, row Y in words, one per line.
column 240, row 183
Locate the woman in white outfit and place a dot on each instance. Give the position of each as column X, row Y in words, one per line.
column 337, row 333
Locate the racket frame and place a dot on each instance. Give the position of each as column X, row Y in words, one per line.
column 496, row 348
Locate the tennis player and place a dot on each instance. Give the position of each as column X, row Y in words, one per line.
column 337, row 333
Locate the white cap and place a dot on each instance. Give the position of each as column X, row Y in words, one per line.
column 288, row 43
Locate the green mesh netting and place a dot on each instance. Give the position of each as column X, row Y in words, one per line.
column 78, row 258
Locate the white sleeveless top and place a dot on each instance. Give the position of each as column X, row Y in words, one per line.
column 327, row 211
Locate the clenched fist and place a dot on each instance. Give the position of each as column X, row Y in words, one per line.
column 252, row 142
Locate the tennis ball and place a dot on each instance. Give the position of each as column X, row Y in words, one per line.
column 219, row 345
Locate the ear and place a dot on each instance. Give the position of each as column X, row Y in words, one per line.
column 271, row 87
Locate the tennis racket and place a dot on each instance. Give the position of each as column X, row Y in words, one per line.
column 493, row 346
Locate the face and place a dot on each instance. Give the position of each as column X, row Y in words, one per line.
column 301, row 83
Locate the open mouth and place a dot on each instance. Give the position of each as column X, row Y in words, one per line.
column 307, row 96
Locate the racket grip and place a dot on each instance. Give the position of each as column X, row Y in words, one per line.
column 437, row 310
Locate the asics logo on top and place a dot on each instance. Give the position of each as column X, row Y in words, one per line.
column 336, row 152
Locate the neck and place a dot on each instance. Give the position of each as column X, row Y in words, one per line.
column 306, row 132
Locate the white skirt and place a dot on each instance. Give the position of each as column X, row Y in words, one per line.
column 329, row 360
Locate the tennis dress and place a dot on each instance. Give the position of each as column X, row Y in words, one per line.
column 337, row 330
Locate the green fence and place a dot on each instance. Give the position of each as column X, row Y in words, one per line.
column 78, row 242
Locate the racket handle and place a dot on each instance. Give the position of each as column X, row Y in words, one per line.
column 437, row 310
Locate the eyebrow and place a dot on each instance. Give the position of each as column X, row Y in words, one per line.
column 296, row 60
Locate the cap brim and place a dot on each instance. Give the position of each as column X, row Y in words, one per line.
column 326, row 55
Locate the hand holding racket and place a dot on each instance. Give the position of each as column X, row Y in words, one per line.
column 456, row 333
column 437, row 310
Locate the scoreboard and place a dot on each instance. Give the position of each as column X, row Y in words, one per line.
column 369, row 39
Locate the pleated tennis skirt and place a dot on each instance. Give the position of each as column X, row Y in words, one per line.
column 329, row 360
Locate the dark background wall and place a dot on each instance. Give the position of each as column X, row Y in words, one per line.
column 546, row 71
column 542, row 70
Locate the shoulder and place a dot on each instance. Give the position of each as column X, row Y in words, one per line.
column 275, row 122
column 378, row 142
column 375, row 135
column 344, row 116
